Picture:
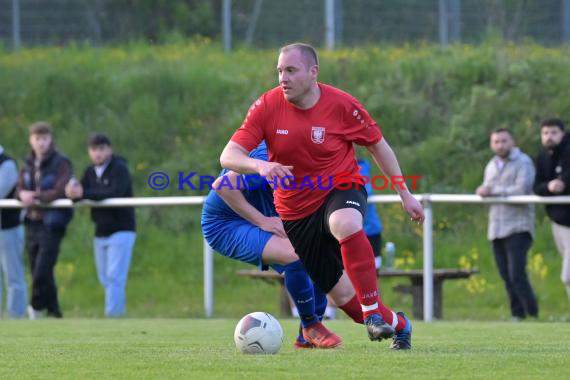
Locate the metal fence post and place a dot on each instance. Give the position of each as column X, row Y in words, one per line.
column 329, row 24
column 455, row 20
column 16, row 29
column 227, row 25
column 428, row 258
column 208, row 280
column 338, row 22
column 443, row 23
column 565, row 21
column 253, row 22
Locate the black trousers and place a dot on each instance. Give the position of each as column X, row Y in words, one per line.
column 42, row 244
column 511, row 258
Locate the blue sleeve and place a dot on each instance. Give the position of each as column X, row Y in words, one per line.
column 260, row 153
column 365, row 171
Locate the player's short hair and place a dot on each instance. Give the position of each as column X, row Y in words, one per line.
column 40, row 128
column 552, row 122
column 502, row 129
column 309, row 53
column 98, row 139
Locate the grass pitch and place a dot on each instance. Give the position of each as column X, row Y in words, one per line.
column 204, row 349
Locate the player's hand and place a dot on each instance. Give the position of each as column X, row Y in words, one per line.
column 556, row 186
column 413, row 207
column 73, row 189
column 273, row 225
column 483, row 191
column 27, row 197
column 269, row 170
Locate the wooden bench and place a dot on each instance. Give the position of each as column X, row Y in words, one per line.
column 415, row 288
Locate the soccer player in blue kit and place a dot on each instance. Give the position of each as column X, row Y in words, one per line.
column 244, row 226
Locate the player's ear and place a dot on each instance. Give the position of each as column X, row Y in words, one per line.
column 314, row 70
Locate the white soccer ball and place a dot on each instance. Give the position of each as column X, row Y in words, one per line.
column 258, row 333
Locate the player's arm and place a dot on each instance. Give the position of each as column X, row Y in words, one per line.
column 235, row 157
column 387, row 162
column 236, row 201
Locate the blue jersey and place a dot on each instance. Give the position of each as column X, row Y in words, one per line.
column 372, row 222
column 262, row 199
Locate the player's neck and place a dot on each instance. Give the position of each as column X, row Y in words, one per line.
column 310, row 98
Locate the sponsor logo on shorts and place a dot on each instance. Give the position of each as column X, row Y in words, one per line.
column 282, row 131
column 353, row 203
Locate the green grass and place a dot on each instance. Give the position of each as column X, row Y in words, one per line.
column 204, row 349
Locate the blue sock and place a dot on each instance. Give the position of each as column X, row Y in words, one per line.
column 300, row 287
column 320, row 302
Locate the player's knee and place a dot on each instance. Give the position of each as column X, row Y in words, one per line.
column 290, row 256
column 279, row 251
column 345, row 222
column 284, row 256
column 342, row 228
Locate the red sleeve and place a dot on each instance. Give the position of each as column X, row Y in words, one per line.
column 250, row 134
column 359, row 126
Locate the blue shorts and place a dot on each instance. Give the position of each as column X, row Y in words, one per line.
column 238, row 239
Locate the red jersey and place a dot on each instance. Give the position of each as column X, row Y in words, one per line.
column 317, row 142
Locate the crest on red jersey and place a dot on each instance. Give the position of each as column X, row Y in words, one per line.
column 318, row 135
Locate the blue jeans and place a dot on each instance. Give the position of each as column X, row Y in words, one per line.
column 12, row 271
column 112, row 259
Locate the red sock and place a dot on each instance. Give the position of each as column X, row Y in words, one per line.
column 358, row 260
column 353, row 310
column 388, row 316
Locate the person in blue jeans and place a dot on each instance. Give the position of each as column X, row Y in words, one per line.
column 115, row 228
column 11, row 243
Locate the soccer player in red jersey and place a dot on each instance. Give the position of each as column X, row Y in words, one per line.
column 309, row 128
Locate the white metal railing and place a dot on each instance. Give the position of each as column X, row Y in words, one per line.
column 426, row 199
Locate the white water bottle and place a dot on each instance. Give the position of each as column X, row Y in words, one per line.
column 390, row 255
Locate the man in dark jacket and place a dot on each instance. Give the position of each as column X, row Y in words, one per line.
column 43, row 180
column 553, row 178
column 109, row 177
